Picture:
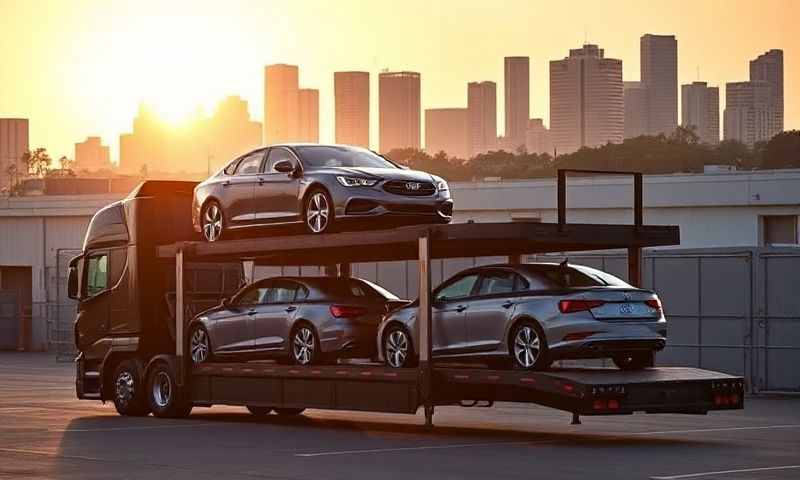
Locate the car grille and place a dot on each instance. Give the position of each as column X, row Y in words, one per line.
column 412, row 209
column 409, row 188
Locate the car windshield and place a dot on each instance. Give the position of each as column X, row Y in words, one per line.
column 319, row 156
column 571, row 276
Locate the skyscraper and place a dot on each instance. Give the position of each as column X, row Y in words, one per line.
column 399, row 110
column 92, row 155
column 351, row 94
column 659, row 74
column 517, row 99
column 482, row 112
column 447, row 130
column 13, row 144
column 586, row 100
column 308, row 115
column 768, row 68
column 280, row 103
column 635, row 109
column 749, row 113
column 700, row 109
column 537, row 137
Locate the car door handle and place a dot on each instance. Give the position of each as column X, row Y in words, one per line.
column 461, row 308
column 261, row 181
column 508, row 304
column 226, row 184
column 291, row 308
column 252, row 311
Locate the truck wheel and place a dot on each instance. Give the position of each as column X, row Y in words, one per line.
column 259, row 411
column 165, row 398
column 129, row 395
column 634, row 361
column 304, row 346
column 289, row 411
column 397, row 349
column 528, row 347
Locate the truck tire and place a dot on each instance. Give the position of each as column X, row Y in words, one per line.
column 165, row 398
column 129, row 391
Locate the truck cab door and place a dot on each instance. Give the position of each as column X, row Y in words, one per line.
column 93, row 319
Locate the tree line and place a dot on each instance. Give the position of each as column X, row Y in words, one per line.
column 661, row 154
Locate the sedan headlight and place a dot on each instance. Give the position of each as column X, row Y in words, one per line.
column 356, row 181
column 441, row 186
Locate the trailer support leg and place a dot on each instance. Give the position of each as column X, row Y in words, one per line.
column 576, row 419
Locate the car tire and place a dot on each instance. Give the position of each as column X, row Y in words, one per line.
column 129, row 390
column 528, row 347
column 259, row 411
column 398, row 351
column 199, row 345
column 304, row 347
column 634, row 361
column 166, row 399
column 212, row 221
column 318, row 212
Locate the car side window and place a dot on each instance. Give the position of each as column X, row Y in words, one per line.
column 458, row 288
column 276, row 155
column 250, row 164
column 231, row 167
column 253, row 295
column 96, row 274
column 282, row 292
column 500, row 281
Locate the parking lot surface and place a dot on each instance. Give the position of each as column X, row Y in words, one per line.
column 45, row 432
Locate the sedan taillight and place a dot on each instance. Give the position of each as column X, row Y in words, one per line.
column 347, row 311
column 655, row 304
column 572, row 306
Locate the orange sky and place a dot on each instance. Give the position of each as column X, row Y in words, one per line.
column 79, row 68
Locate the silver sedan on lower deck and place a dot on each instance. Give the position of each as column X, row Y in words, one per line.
column 529, row 315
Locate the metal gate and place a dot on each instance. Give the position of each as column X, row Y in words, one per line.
column 61, row 309
column 9, row 320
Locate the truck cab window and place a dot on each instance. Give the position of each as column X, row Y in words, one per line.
column 96, row 274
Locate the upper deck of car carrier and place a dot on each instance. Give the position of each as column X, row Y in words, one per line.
column 376, row 388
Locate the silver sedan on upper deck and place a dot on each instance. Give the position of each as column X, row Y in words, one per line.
column 530, row 315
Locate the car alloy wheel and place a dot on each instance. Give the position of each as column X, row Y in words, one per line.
column 527, row 347
column 317, row 212
column 396, row 348
column 199, row 345
column 212, row 223
column 162, row 389
column 303, row 346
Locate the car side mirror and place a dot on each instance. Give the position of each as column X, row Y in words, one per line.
column 226, row 301
column 284, row 166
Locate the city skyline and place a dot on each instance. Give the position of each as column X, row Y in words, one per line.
column 91, row 97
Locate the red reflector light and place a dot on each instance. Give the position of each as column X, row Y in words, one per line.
column 735, row 399
column 347, row 311
column 571, row 306
column 654, row 303
column 568, row 387
column 578, row 336
column 717, row 400
column 613, row 404
column 599, row 405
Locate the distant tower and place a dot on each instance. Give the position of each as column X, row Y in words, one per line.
column 308, row 115
column 92, row 155
column 769, row 68
column 659, row 75
column 280, row 103
column 13, row 144
column 700, row 109
column 482, row 112
column 351, row 95
column 400, row 110
column 635, row 109
column 517, row 99
column 749, row 114
column 586, row 100
column 447, row 130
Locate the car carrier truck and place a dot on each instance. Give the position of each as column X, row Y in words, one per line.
column 143, row 274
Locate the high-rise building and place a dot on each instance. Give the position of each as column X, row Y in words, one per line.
column 280, row 103
column 232, row 131
column 586, row 100
column 399, row 110
column 700, row 110
column 659, row 74
column 749, row 113
column 517, row 99
column 635, row 109
column 13, row 145
column 537, row 137
column 308, row 115
column 482, row 112
column 447, row 130
column 147, row 146
column 351, row 95
column 768, row 68
column 91, row 155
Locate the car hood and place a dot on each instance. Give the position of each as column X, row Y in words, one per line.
column 383, row 173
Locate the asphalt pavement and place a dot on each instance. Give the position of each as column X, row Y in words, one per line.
column 45, row 432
